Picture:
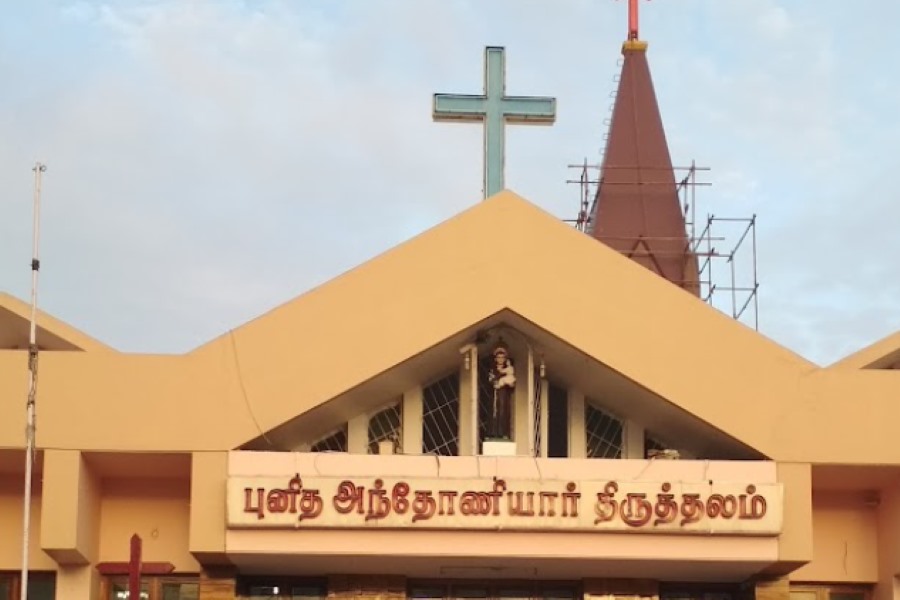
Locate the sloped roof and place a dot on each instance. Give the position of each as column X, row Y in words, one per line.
column 883, row 354
column 503, row 253
column 637, row 210
column 513, row 255
column 52, row 334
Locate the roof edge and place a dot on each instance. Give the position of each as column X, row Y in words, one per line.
column 53, row 325
column 878, row 355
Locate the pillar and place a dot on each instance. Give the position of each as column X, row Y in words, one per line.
column 412, row 421
column 577, row 433
column 70, row 508
column 78, row 583
column 206, row 538
column 468, row 407
column 621, row 589
column 773, row 589
column 633, row 442
column 366, row 587
column 358, row 434
column 218, row 584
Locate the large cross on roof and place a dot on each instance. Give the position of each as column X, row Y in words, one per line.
column 494, row 108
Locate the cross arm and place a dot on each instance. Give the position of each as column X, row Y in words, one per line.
column 457, row 107
column 530, row 110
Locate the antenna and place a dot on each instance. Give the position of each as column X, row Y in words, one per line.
column 32, row 377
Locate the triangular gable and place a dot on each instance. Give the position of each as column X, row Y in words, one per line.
column 52, row 334
column 565, row 368
column 507, row 253
column 883, row 354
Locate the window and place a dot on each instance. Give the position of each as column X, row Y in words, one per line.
column 41, row 586
column 336, row 441
column 829, row 592
column 603, row 433
column 440, row 417
column 153, row 588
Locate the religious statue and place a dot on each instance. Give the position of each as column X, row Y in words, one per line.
column 502, row 378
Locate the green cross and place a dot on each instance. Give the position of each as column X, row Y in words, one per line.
column 495, row 109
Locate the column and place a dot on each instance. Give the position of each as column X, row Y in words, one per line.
column 633, row 440
column 577, row 434
column 218, row 584
column 70, row 508
column 773, row 589
column 206, row 538
column 523, row 427
column 366, row 587
column 621, row 589
column 77, row 583
column 468, row 405
column 412, row 421
column 358, row 434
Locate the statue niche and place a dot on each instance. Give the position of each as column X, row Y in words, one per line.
column 500, row 400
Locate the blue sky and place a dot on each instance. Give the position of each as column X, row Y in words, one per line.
column 210, row 160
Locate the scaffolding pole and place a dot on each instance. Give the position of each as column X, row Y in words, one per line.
column 704, row 246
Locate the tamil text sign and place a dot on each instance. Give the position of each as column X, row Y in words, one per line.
column 728, row 508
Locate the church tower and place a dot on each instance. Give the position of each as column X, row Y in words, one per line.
column 636, row 209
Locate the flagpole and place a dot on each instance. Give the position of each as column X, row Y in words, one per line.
column 32, row 378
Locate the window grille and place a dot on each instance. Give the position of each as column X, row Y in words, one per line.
column 603, row 432
column 440, row 417
column 485, row 397
column 538, row 390
column 334, row 442
column 386, row 425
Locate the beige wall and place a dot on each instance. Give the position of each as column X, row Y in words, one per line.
column 11, row 526
column 845, row 540
column 158, row 510
column 889, row 544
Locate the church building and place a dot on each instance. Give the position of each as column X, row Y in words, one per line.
column 579, row 425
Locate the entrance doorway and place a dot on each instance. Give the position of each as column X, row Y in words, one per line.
column 494, row 590
column 281, row 588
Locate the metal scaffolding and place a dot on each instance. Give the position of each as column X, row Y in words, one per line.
column 725, row 247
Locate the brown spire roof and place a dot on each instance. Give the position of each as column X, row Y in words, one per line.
column 636, row 210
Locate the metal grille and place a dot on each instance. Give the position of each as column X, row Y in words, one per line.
column 485, row 397
column 386, row 425
column 334, row 442
column 538, row 388
column 440, row 417
column 604, row 433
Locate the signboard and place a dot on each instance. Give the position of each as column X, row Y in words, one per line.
column 726, row 508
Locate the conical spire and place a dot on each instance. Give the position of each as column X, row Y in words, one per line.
column 636, row 209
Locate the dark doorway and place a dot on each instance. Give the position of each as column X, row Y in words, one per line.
column 558, row 422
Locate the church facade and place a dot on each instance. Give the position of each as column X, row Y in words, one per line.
column 341, row 444
column 571, row 427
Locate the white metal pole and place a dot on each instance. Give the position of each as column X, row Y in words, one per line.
column 32, row 379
